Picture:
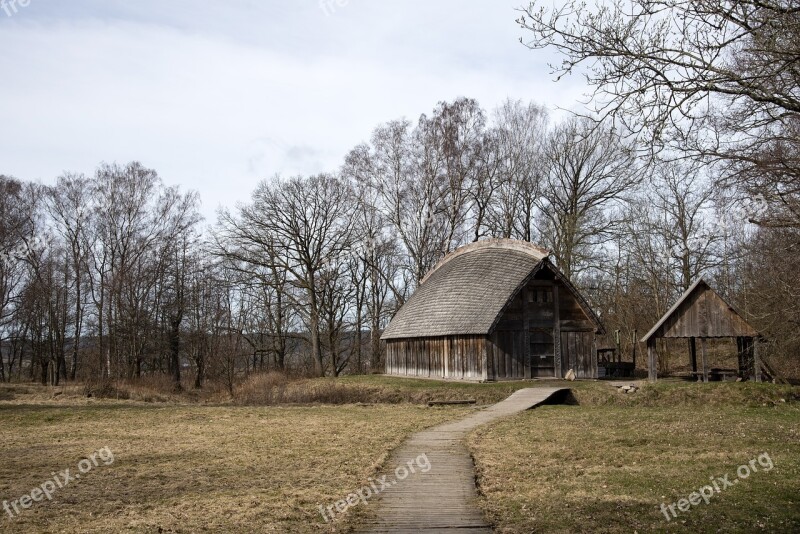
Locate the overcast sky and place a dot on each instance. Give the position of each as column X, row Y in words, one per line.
column 218, row 94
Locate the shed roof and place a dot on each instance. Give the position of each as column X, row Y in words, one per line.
column 468, row 290
column 701, row 312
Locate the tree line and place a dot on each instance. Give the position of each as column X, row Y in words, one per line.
column 686, row 167
column 113, row 275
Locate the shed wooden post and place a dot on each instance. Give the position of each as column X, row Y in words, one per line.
column 526, row 334
column 740, row 353
column 756, row 360
column 487, row 346
column 556, row 333
column 701, row 313
column 652, row 371
column 703, row 356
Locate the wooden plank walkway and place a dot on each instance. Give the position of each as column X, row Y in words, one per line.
column 444, row 498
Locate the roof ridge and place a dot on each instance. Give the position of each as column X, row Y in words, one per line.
column 535, row 251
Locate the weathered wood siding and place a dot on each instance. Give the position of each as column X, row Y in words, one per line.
column 571, row 314
column 577, row 332
column 451, row 357
column 506, row 355
column 542, row 332
column 578, row 353
column 705, row 314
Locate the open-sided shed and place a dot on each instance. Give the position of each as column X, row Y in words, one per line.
column 494, row 310
column 702, row 314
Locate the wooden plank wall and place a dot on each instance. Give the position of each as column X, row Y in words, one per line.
column 579, row 353
column 572, row 317
column 577, row 337
column 527, row 326
column 451, row 357
column 506, row 351
column 704, row 314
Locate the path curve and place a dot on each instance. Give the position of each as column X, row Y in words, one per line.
column 445, row 498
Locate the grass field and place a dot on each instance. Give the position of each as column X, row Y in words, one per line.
column 196, row 469
column 212, row 464
column 610, row 468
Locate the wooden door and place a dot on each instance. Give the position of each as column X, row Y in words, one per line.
column 542, row 360
column 577, row 353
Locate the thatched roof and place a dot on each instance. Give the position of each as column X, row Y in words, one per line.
column 468, row 290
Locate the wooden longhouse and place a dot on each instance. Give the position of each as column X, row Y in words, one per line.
column 702, row 314
column 494, row 310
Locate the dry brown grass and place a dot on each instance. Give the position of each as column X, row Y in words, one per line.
column 195, row 468
column 275, row 389
column 609, row 468
column 271, row 389
column 186, row 467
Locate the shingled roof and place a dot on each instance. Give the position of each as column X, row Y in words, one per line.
column 466, row 292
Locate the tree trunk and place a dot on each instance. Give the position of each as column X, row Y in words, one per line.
column 316, row 346
column 175, row 351
column 45, row 368
column 200, row 364
column 375, row 339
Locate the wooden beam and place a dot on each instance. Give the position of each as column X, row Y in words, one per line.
column 526, row 336
column 652, row 359
column 756, row 360
column 693, row 353
column 446, row 359
column 703, row 356
column 487, row 346
column 740, row 357
column 556, row 333
column 451, row 402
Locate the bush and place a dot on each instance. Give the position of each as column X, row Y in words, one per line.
column 268, row 389
column 104, row 389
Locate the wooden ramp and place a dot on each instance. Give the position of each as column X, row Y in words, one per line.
column 444, row 498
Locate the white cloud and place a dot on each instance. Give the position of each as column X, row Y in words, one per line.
column 217, row 97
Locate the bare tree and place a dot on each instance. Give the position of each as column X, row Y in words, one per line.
column 138, row 220
column 452, row 141
column 306, row 223
column 520, row 131
column 714, row 80
column 16, row 236
column 70, row 206
column 424, row 176
column 589, row 171
column 682, row 196
column 407, row 178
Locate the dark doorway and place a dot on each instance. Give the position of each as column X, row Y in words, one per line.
column 542, row 353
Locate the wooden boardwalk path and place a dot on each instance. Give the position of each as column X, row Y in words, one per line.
column 444, row 498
